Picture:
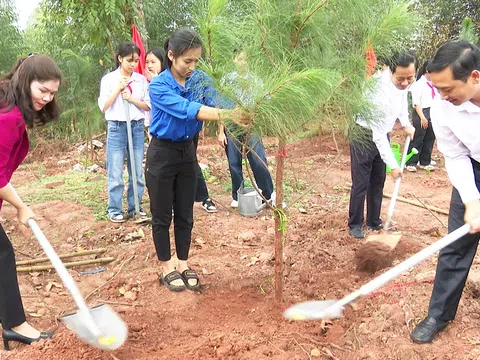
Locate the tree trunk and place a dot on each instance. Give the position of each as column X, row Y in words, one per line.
column 110, row 47
column 142, row 26
column 279, row 234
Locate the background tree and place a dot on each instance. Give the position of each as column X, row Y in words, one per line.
column 442, row 22
column 82, row 37
column 162, row 17
column 12, row 45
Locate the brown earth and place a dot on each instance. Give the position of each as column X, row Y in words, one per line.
column 235, row 315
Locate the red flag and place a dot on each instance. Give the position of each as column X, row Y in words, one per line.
column 371, row 60
column 137, row 39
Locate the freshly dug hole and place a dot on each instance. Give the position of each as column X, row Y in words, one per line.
column 373, row 256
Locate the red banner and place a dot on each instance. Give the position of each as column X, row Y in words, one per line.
column 137, row 39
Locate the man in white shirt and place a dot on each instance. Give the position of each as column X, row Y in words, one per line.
column 455, row 72
column 369, row 155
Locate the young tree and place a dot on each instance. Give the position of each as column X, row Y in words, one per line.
column 310, row 58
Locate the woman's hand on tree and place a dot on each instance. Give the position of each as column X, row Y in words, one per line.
column 241, row 117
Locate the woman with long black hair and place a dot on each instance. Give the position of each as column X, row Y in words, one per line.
column 27, row 99
column 181, row 99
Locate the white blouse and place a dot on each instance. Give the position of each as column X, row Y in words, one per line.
column 139, row 86
column 423, row 93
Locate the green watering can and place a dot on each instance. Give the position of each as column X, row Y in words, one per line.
column 398, row 154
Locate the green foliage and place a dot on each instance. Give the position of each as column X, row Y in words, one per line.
column 443, row 22
column 308, row 56
column 162, row 17
column 81, row 38
column 12, row 44
column 467, row 31
column 97, row 23
column 81, row 116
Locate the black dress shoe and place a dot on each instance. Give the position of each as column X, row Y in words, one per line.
column 357, row 233
column 426, row 330
column 10, row 335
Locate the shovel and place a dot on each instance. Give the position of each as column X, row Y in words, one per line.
column 333, row 309
column 133, row 169
column 100, row 326
column 375, row 254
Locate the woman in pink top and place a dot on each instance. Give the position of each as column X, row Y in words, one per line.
column 26, row 99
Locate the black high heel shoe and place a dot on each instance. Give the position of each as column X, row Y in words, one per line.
column 10, row 335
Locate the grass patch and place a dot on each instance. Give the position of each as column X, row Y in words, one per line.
column 76, row 188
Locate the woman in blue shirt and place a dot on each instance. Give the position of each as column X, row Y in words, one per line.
column 181, row 98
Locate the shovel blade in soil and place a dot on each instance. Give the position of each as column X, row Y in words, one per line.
column 113, row 331
column 314, row 310
column 389, row 239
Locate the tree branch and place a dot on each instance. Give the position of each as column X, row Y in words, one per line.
column 314, row 10
column 168, row 13
column 262, row 45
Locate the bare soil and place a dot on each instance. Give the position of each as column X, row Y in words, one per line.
column 235, row 315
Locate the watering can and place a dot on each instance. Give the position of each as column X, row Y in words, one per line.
column 398, row 155
column 250, row 203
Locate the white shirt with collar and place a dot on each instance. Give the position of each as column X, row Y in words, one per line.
column 391, row 104
column 457, row 129
column 109, row 83
column 423, row 93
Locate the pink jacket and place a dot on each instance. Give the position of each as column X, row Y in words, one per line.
column 13, row 144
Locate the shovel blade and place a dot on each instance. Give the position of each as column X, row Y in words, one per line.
column 390, row 239
column 314, row 310
column 113, row 331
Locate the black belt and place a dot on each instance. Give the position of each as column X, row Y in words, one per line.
column 180, row 145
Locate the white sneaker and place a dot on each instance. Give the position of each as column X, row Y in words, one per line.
column 234, row 204
column 411, row 168
column 427, row 167
column 432, row 162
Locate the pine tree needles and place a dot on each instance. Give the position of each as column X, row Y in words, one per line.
column 467, row 32
column 292, row 100
column 308, row 55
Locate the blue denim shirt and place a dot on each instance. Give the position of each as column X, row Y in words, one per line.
column 175, row 108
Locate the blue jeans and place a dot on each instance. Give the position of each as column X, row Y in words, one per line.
column 256, row 159
column 117, row 148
